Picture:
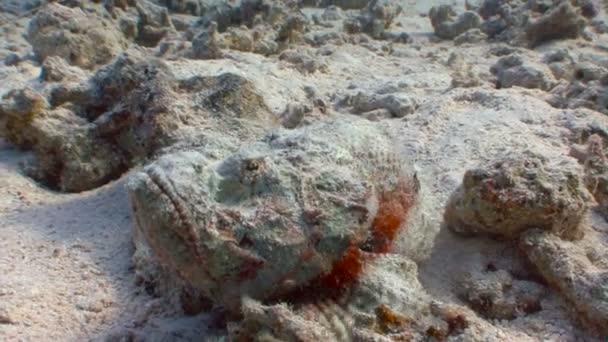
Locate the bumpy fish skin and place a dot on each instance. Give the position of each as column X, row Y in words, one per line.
column 295, row 208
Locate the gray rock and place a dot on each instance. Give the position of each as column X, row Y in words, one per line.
column 69, row 156
column 531, row 23
column 399, row 105
column 465, row 78
column 587, row 72
column 511, row 71
column 600, row 25
column 375, row 18
column 192, row 7
column 561, row 55
column 294, row 114
column 377, row 114
column 473, row 5
column 561, row 64
column 273, row 25
column 304, row 60
column 560, row 22
column 205, row 45
column 345, row 4
column 154, row 23
column 111, row 5
column 589, row 8
column 332, row 13
column 278, row 214
column 56, row 69
column 17, row 110
column 506, row 62
column 593, row 158
column 462, row 73
column 524, row 76
column 579, row 273
column 12, row 59
column 472, row 36
column 489, row 8
column 448, row 26
column 124, row 115
column 239, row 38
column 495, row 294
column 82, row 39
column 510, row 196
column 320, row 38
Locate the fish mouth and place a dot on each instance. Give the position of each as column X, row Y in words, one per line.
column 153, row 185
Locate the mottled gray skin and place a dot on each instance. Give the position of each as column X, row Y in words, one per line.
column 386, row 304
column 507, row 197
column 82, row 39
column 448, row 26
column 578, row 272
column 273, row 216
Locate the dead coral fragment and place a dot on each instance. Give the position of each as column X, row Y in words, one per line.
column 448, row 26
column 509, row 196
column 80, row 38
column 594, row 161
column 496, row 295
column 18, row 110
column 561, row 22
column 577, row 271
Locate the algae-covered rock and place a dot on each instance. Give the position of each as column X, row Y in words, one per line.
column 17, row 111
column 69, row 157
column 296, row 208
column 507, row 197
column 125, row 114
column 82, row 39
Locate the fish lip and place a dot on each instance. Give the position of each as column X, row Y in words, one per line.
column 166, row 188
